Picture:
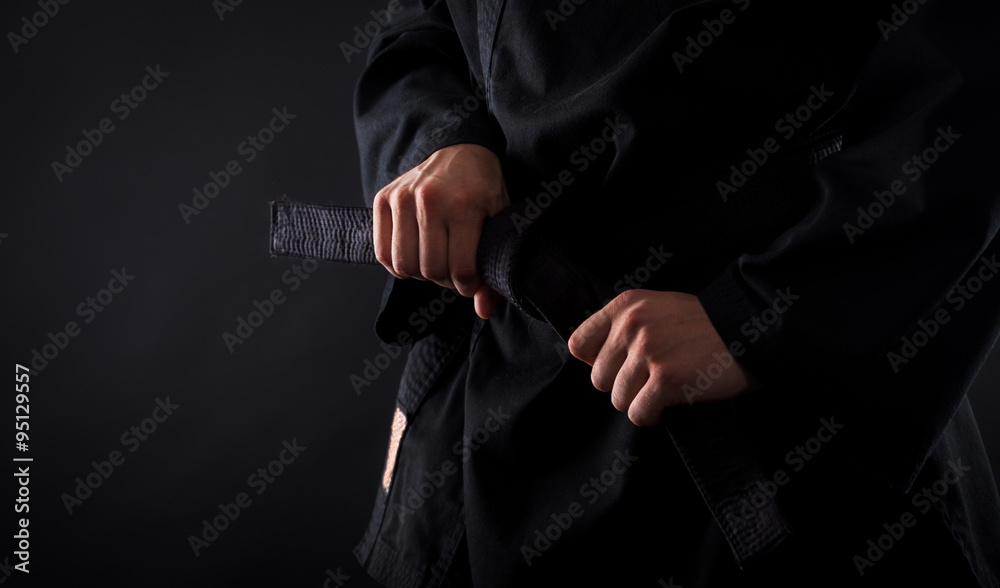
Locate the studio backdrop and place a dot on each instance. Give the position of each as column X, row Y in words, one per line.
column 196, row 412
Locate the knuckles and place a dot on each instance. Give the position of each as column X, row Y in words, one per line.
column 646, row 408
column 601, row 380
column 406, row 267
column 643, row 417
column 434, row 273
column 383, row 257
column 620, row 402
column 427, row 195
column 577, row 342
column 466, row 277
column 631, row 298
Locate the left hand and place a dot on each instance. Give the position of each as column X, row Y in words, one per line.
column 648, row 347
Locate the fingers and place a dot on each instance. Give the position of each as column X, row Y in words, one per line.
column 608, row 363
column 647, row 407
column 633, row 389
column 586, row 341
column 414, row 239
column 463, row 239
column 632, row 376
column 428, row 221
column 433, row 237
column 654, row 350
column 405, row 238
column 382, row 231
column 395, row 233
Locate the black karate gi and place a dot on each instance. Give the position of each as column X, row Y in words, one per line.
column 842, row 278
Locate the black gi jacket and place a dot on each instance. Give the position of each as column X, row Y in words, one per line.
column 681, row 138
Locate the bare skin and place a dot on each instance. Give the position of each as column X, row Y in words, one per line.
column 428, row 221
column 643, row 346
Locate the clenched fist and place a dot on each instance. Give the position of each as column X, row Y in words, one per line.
column 646, row 346
column 428, row 221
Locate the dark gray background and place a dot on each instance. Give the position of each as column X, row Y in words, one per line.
column 162, row 336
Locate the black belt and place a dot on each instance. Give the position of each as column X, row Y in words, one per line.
column 531, row 272
column 344, row 234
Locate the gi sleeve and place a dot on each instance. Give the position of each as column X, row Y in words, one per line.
column 881, row 304
column 417, row 94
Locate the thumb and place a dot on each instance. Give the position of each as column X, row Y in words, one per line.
column 485, row 300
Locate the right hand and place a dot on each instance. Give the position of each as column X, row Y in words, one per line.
column 428, row 221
